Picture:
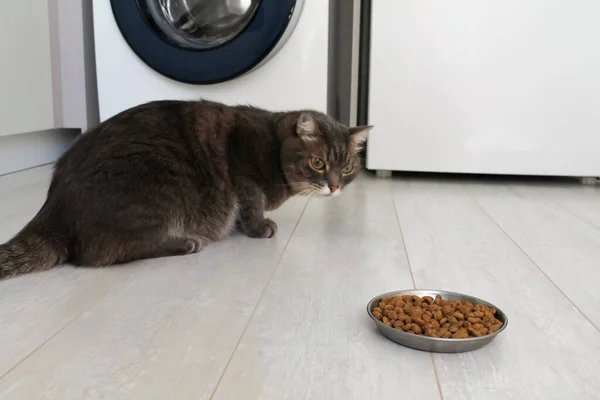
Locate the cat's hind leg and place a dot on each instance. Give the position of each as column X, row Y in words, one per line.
column 175, row 225
column 108, row 251
column 175, row 247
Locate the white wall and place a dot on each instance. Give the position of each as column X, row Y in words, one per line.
column 25, row 67
column 18, row 152
column 76, row 95
column 47, row 79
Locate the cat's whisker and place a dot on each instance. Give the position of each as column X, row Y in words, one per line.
column 306, row 193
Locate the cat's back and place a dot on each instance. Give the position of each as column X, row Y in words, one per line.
column 158, row 138
column 164, row 123
column 145, row 130
column 144, row 122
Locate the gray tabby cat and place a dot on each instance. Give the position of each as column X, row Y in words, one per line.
column 168, row 177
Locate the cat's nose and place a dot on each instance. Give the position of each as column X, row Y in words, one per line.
column 334, row 188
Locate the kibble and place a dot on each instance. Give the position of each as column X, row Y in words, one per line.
column 437, row 317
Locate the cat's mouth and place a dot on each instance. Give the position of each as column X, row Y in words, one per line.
column 329, row 191
column 319, row 190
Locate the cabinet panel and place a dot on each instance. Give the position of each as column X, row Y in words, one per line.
column 25, row 68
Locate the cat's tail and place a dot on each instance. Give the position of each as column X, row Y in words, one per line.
column 35, row 248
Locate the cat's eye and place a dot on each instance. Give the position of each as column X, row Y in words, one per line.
column 348, row 169
column 317, row 163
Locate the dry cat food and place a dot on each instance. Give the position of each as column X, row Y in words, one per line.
column 437, row 317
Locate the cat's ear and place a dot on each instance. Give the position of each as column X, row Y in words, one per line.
column 358, row 137
column 306, row 128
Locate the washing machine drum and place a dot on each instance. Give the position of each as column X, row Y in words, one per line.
column 205, row 41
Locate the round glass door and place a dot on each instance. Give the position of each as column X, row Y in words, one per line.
column 201, row 24
column 205, row 41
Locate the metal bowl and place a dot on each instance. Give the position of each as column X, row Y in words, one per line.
column 437, row 345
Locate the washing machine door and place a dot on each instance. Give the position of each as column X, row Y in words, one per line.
column 205, row 41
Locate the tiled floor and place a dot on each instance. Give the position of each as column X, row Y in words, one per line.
column 285, row 318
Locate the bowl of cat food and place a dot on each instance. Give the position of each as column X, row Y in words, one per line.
column 436, row 320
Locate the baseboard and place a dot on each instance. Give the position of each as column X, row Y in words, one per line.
column 28, row 150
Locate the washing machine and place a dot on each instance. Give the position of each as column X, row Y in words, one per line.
column 268, row 53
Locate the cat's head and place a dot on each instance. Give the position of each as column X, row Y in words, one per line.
column 322, row 156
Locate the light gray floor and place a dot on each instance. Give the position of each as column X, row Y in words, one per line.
column 285, row 318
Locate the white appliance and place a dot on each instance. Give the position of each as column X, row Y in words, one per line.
column 495, row 87
column 268, row 53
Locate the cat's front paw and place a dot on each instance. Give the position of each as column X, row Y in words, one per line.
column 262, row 229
